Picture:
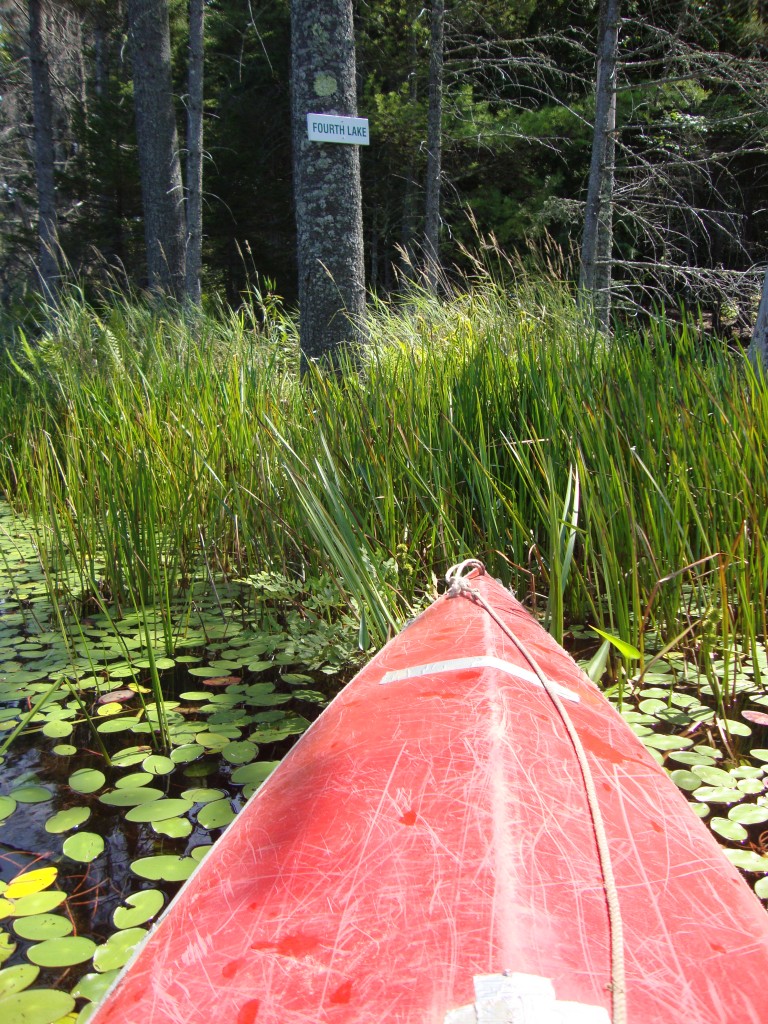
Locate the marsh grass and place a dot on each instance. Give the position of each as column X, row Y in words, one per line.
column 623, row 485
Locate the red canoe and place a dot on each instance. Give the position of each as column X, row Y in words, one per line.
column 427, row 853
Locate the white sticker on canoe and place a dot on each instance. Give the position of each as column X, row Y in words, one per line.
column 481, row 661
column 522, row 999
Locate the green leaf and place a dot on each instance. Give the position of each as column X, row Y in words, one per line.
column 167, row 867
column 7, row 807
column 87, row 780
column 729, row 829
column 158, row 810
column 256, row 772
column 749, row 814
column 158, row 764
column 16, row 979
column 130, row 797
column 141, row 907
column 74, row 949
column 63, row 821
column 215, row 815
column 94, row 986
column 117, row 950
column 37, row 1006
column 38, row 903
column 84, row 847
column 42, row 926
column 626, row 650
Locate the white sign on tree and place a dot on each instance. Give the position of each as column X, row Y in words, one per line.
column 333, row 128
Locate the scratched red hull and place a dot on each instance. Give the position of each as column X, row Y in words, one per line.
column 430, row 829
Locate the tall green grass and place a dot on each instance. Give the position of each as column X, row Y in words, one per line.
column 620, row 484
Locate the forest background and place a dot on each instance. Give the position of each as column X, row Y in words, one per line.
column 690, row 212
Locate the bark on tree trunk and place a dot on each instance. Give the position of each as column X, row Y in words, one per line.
column 195, row 151
column 326, row 183
column 597, row 241
column 758, row 346
column 159, row 166
column 42, row 108
column 434, row 147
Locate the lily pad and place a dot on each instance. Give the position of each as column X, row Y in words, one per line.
column 38, row 903
column 134, row 781
column 174, row 828
column 84, row 847
column 187, row 752
column 165, row 867
column 718, row 795
column 16, row 979
column 216, row 815
column 94, row 986
column 63, row 821
column 36, row 1006
column 30, row 881
column 159, row 810
column 241, row 752
column 131, row 797
column 659, row 741
column 685, row 780
column 761, row 887
column 7, row 807
column 73, row 949
column 87, row 780
column 117, row 950
column 713, row 776
column 158, row 764
column 255, row 772
column 749, row 814
column 31, row 794
column 141, row 907
column 7, row 946
column 729, row 829
column 42, row 926
column 203, row 795
column 747, row 860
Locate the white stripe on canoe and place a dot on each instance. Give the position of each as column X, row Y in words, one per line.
column 480, row 661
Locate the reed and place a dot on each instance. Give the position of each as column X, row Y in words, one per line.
column 623, row 485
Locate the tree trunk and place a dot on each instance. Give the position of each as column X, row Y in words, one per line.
column 327, row 195
column 434, row 147
column 597, row 242
column 195, row 151
column 42, row 106
column 758, row 346
column 159, row 167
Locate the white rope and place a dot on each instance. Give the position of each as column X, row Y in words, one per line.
column 459, row 585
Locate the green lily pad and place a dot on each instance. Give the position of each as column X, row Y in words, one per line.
column 200, row 852
column 130, row 756
column 94, row 986
column 64, row 749
column 749, row 814
column 685, row 780
column 83, row 847
column 729, row 829
column 242, row 752
column 216, row 815
column 747, row 860
column 187, row 752
column 659, row 741
column 38, row 903
column 7, row 946
column 202, row 795
column 87, row 780
column 7, row 807
column 256, row 772
column 159, row 810
column 158, row 764
column 36, row 1006
column 16, row 979
column 759, row 753
column 761, row 887
column 131, row 797
column 713, row 776
column 735, row 728
column 718, row 795
column 63, row 821
column 31, row 794
column 117, row 950
column 165, row 867
column 42, row 926
column 73, row 949
column 174, row 828
column 690, row 757
column 134, row 781
column 57, row 730
column 142, row 907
